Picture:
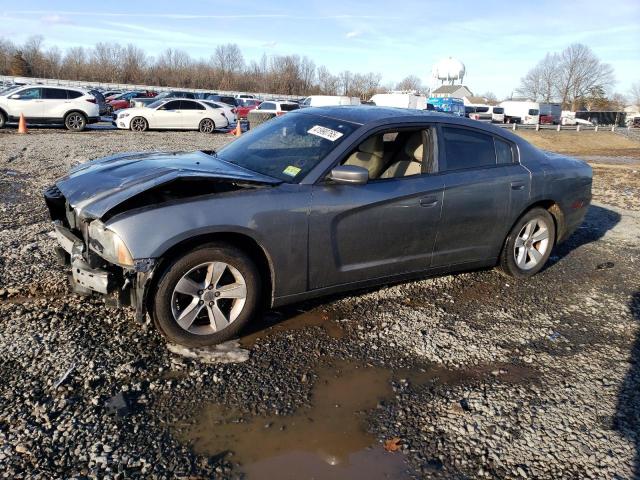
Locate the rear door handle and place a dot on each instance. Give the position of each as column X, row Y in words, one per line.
column 517, row 185
column 428, row 201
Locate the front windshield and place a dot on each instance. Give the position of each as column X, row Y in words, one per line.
column 288, row 147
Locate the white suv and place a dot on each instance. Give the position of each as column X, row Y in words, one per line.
column 40, row 104
column 279, row 108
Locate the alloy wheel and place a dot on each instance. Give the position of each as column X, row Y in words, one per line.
column 75, row 121
column 138, row 124
column 207, row 126
column 531, row 244
column 208, row 298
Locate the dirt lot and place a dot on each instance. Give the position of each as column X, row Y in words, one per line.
column 464, row 376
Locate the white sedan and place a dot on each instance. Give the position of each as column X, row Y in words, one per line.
column 172, row 113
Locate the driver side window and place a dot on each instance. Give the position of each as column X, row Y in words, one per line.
column 394, row 154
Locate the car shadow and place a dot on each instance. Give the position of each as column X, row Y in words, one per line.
column 627, row 419
column 597, row 222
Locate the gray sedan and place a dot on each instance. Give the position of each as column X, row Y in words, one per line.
column 318, row 201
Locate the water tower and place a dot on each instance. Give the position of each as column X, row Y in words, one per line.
column 449, row 70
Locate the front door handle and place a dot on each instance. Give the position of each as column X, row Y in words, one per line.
column 430, row 201
column 517, row 185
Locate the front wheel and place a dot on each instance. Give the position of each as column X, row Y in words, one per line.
column 528, row 245
column 3, row 120
column 207, row 126
column 206, row 296
column 75, row 121
column 139, row 124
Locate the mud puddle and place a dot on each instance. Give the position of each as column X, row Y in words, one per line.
column 279, row 321
column 328, row 440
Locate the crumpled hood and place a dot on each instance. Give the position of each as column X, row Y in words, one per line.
column 97, row 186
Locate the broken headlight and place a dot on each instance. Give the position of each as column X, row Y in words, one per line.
column 108, row 245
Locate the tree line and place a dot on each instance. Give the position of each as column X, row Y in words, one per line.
column 225, row 69
column 576, row 78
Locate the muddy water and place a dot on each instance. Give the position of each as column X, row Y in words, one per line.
column 279, row 321
column 326, row 441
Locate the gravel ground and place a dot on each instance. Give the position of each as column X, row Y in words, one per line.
column 536, row 379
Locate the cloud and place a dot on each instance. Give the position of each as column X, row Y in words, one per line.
column 269, row 44
column 55, row 19
column 353, row 34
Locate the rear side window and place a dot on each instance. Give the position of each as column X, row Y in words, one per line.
column 71, row 94
column 174, row 105
column 287, row 107
column 467, row 149
column 228, row 100
column 54, row 94
column 187, row 105
column 504, row 152
column 482, row 109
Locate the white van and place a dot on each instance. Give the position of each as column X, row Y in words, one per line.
column 400, row 100
column 329, row 101
column 497, row 114
column 517, row 111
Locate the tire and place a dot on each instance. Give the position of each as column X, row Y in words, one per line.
column 75, row 121
column 207, row 125
column 139, row 124
column 518, row 258
column 3, row 120
column 189, row 301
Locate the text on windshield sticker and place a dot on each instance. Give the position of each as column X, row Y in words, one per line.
column 325, row 133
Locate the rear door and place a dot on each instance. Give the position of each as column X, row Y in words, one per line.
column 55, row 102
column 191, row 114
column 484, row 188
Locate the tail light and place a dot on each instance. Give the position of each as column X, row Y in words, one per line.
column 279, row 114
column 233, row 110
column 222, row 113
column 90, row 100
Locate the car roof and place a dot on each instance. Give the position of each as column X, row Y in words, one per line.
column 364, row 114
column 368, row 114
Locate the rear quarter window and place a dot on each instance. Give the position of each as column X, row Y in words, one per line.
column 467, row 149
column 287, row 107
column 71, row 94
column 504, row 152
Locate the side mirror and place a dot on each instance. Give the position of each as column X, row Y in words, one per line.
column 15, row 96
column 351, row 174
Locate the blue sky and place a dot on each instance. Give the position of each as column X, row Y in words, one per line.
column 497, row 40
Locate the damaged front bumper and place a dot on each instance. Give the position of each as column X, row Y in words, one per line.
column 122, row 287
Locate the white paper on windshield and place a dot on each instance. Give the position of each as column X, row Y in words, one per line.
column 325, row 133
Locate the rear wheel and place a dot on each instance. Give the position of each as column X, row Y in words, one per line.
column 75, row 121
column 206, row 296
column 139, row 124
column 528, row 245
column 3, row 120
column 207, row 126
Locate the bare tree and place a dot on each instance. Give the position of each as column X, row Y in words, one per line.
column 580, row 72
column 541, row 82
column 634, row 93
column 410, row 83
column 7, row 50
column 490, row 98
column 19, row 66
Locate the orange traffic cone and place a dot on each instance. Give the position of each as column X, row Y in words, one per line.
column 22, row 125
column 238, row 129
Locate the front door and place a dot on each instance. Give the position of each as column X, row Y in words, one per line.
column 167, row 116
column 382, row 228
column 29, row 104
